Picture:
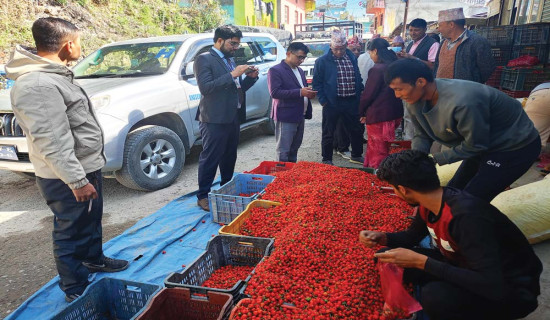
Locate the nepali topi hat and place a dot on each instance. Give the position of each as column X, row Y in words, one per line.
column 451, row 15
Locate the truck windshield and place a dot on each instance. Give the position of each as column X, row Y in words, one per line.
column 128, row 60
column 318, row 49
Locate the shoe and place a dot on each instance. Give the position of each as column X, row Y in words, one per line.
column 345, row 154
column 358, row 160
column 71, row 297
column 203, row 203
column 329, row 162
column 106, row 264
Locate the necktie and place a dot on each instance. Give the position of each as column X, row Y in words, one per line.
column 240, row 92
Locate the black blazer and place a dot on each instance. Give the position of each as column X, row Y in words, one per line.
column 219, row 97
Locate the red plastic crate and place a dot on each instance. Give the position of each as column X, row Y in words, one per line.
column 179, row 303
column 516, row 94
column 270, row 167
column 494, row 79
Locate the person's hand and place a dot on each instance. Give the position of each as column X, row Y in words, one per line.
column 372, row 238
column 404, row 258
column 363, row 120
column 403, row 54
column 308, row 92
column 239, row 70
column 85, row 193
column 252, row 72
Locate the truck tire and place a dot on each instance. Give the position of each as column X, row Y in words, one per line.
column 153, row 159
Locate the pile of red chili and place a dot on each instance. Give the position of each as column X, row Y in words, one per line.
column 318, row 269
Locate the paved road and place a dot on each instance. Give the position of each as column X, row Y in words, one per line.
column 26, row 257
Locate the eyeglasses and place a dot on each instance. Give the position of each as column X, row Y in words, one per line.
column 299, row 57
column 234, row 44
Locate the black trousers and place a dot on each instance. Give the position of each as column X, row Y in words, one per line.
column 77, row 233
column 341, row 139
column 488, row 175
column 346, row 110
column 443, row 300
column 219, row 149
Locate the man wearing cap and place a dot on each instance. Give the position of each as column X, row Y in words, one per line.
column 423, row 47
column 398, row 42
column 338, row 83
column 463, row 54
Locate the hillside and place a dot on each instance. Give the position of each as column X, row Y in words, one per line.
column 104, row 21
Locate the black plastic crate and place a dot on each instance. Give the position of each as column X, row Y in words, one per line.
column 221, row 251
column 498, row 35
column 501, row 54
column 110, row 299
column 523, row 79
column 540, row 51
column 529, row 34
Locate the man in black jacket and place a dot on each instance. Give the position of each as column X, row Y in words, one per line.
column 483, row 267
column 222, row 99
column 423, row 47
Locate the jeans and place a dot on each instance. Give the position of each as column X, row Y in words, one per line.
column 488, row 175
column 289, row 138
column 347, row 110
column 77, row 233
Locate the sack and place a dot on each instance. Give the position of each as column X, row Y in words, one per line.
column 398, row 303
column 447, row 171
column 528, row 207
column 523, row 61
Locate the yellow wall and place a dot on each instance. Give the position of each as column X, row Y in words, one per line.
column 245, row 15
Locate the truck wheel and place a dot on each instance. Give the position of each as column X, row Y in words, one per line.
column 153, row 159
column 269, row 126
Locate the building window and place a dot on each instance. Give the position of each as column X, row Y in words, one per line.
column 296, row 17
column 287, row 13
column 301, row 16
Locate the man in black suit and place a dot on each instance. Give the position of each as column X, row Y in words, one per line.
column 222, row 100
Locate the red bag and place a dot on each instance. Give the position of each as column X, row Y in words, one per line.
column 523, row 61
column 398, row 302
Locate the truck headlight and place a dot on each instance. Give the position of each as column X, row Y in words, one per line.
column 99, row 102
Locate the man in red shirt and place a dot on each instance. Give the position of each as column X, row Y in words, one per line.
column 482, row 266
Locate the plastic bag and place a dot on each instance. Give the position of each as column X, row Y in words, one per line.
column 398, row 302
column 523, row 61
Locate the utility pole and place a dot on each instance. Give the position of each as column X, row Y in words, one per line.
column 405, row 20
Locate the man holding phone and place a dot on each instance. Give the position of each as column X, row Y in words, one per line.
column 291, row 101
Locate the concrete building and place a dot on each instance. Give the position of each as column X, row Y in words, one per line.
column 291, row 12
column 509, row 12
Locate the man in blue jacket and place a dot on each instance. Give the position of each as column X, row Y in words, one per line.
column 338, row 83
column 291, row 101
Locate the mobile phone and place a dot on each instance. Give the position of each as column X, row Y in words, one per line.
column 250, row 70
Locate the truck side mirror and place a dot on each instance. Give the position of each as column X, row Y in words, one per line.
column 187, row 72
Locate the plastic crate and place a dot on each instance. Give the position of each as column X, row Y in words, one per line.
column 540, row 51
column 222, row 250
column 523, row 79
column 179, row 303
column 110, row 299
column 501, row 54
column 269, row 167
column 494, row 79
column 516, row 94
column 498, row 35
column 226, row 204
column 235, row 225
column 235, row 310
column 536, row 33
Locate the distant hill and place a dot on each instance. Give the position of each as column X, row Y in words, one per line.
column 104, row 21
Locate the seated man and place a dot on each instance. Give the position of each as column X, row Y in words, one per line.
column 484, row 268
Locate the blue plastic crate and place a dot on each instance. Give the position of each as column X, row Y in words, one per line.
column 226, row 204
column 110, row 299
column 222, row 250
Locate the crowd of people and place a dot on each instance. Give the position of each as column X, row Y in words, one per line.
column 483, row 266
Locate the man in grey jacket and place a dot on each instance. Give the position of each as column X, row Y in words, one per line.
column 66, row 149
column 483, row 127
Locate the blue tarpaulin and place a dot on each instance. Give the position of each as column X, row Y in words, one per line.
column 169, row 229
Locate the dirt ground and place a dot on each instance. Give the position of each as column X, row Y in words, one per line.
column 26, row 260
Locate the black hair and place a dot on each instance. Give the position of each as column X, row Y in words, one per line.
column 384, row 54
column 227, row 31
column 50, row 33
column 408, row 70
column 460, row 22
column 410, row 168
column 419, row 23
column 297, row 46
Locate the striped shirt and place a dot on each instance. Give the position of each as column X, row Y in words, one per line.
column 346, row 77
